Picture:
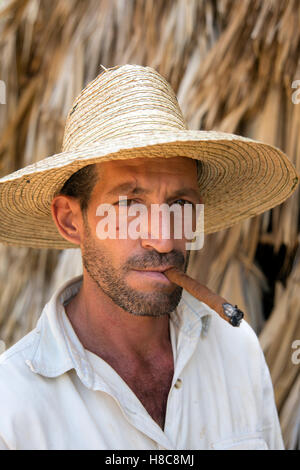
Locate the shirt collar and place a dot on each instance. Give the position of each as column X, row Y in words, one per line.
column 54, row 352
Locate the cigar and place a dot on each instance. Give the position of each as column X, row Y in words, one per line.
column 232, row 314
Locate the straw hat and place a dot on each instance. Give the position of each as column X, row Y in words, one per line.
column 130, row 112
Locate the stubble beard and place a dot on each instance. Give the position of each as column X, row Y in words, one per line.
column 112, row 282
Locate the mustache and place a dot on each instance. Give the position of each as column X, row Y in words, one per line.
column 154, row 259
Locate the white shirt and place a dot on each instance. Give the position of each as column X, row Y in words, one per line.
column 54, row 394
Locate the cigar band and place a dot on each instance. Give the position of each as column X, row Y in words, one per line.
column 233, row 313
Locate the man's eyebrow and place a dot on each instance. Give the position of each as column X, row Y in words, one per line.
column 127, row 188
column 130, row 187
column 194, row 193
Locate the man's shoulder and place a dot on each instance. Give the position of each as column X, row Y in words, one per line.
column 15, row 370
column 21, row 402
column 17, row 352
column 239, row 343
column 244, row 330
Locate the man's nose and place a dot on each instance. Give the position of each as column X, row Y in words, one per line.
column 158, row 233
column 160, row 245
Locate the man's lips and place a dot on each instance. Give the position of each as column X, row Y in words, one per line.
column 155, row 273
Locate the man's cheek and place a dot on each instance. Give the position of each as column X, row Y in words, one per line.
column 106, row 225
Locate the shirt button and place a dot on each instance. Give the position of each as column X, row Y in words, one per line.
column 178, row 383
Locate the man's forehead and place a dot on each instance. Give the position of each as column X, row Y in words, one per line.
column 145, row 164
column 139, row 176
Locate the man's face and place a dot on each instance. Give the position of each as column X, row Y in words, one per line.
column 119, row 266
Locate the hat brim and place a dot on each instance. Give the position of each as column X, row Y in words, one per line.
column 240, row 178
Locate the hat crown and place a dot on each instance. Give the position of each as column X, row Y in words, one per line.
column 122, row 101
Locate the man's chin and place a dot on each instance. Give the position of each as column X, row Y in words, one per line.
column 155, row 304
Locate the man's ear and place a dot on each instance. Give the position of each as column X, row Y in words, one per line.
column 66, row 213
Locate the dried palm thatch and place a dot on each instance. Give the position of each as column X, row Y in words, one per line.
column 232, row 65
column 279, row 353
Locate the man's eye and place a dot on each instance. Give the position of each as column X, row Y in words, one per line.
column 182, row 202
column 124, row 202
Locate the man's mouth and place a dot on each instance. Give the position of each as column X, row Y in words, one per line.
column 155, row 273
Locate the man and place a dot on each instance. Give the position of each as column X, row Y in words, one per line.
column 121, row 357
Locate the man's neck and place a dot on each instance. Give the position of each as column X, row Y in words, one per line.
column 109, row 331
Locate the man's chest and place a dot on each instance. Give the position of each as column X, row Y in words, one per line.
column 150, row 382
column 152, row 390
column 210, row 408
column 195, row 417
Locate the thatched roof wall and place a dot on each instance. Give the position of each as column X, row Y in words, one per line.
column 232, row 65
